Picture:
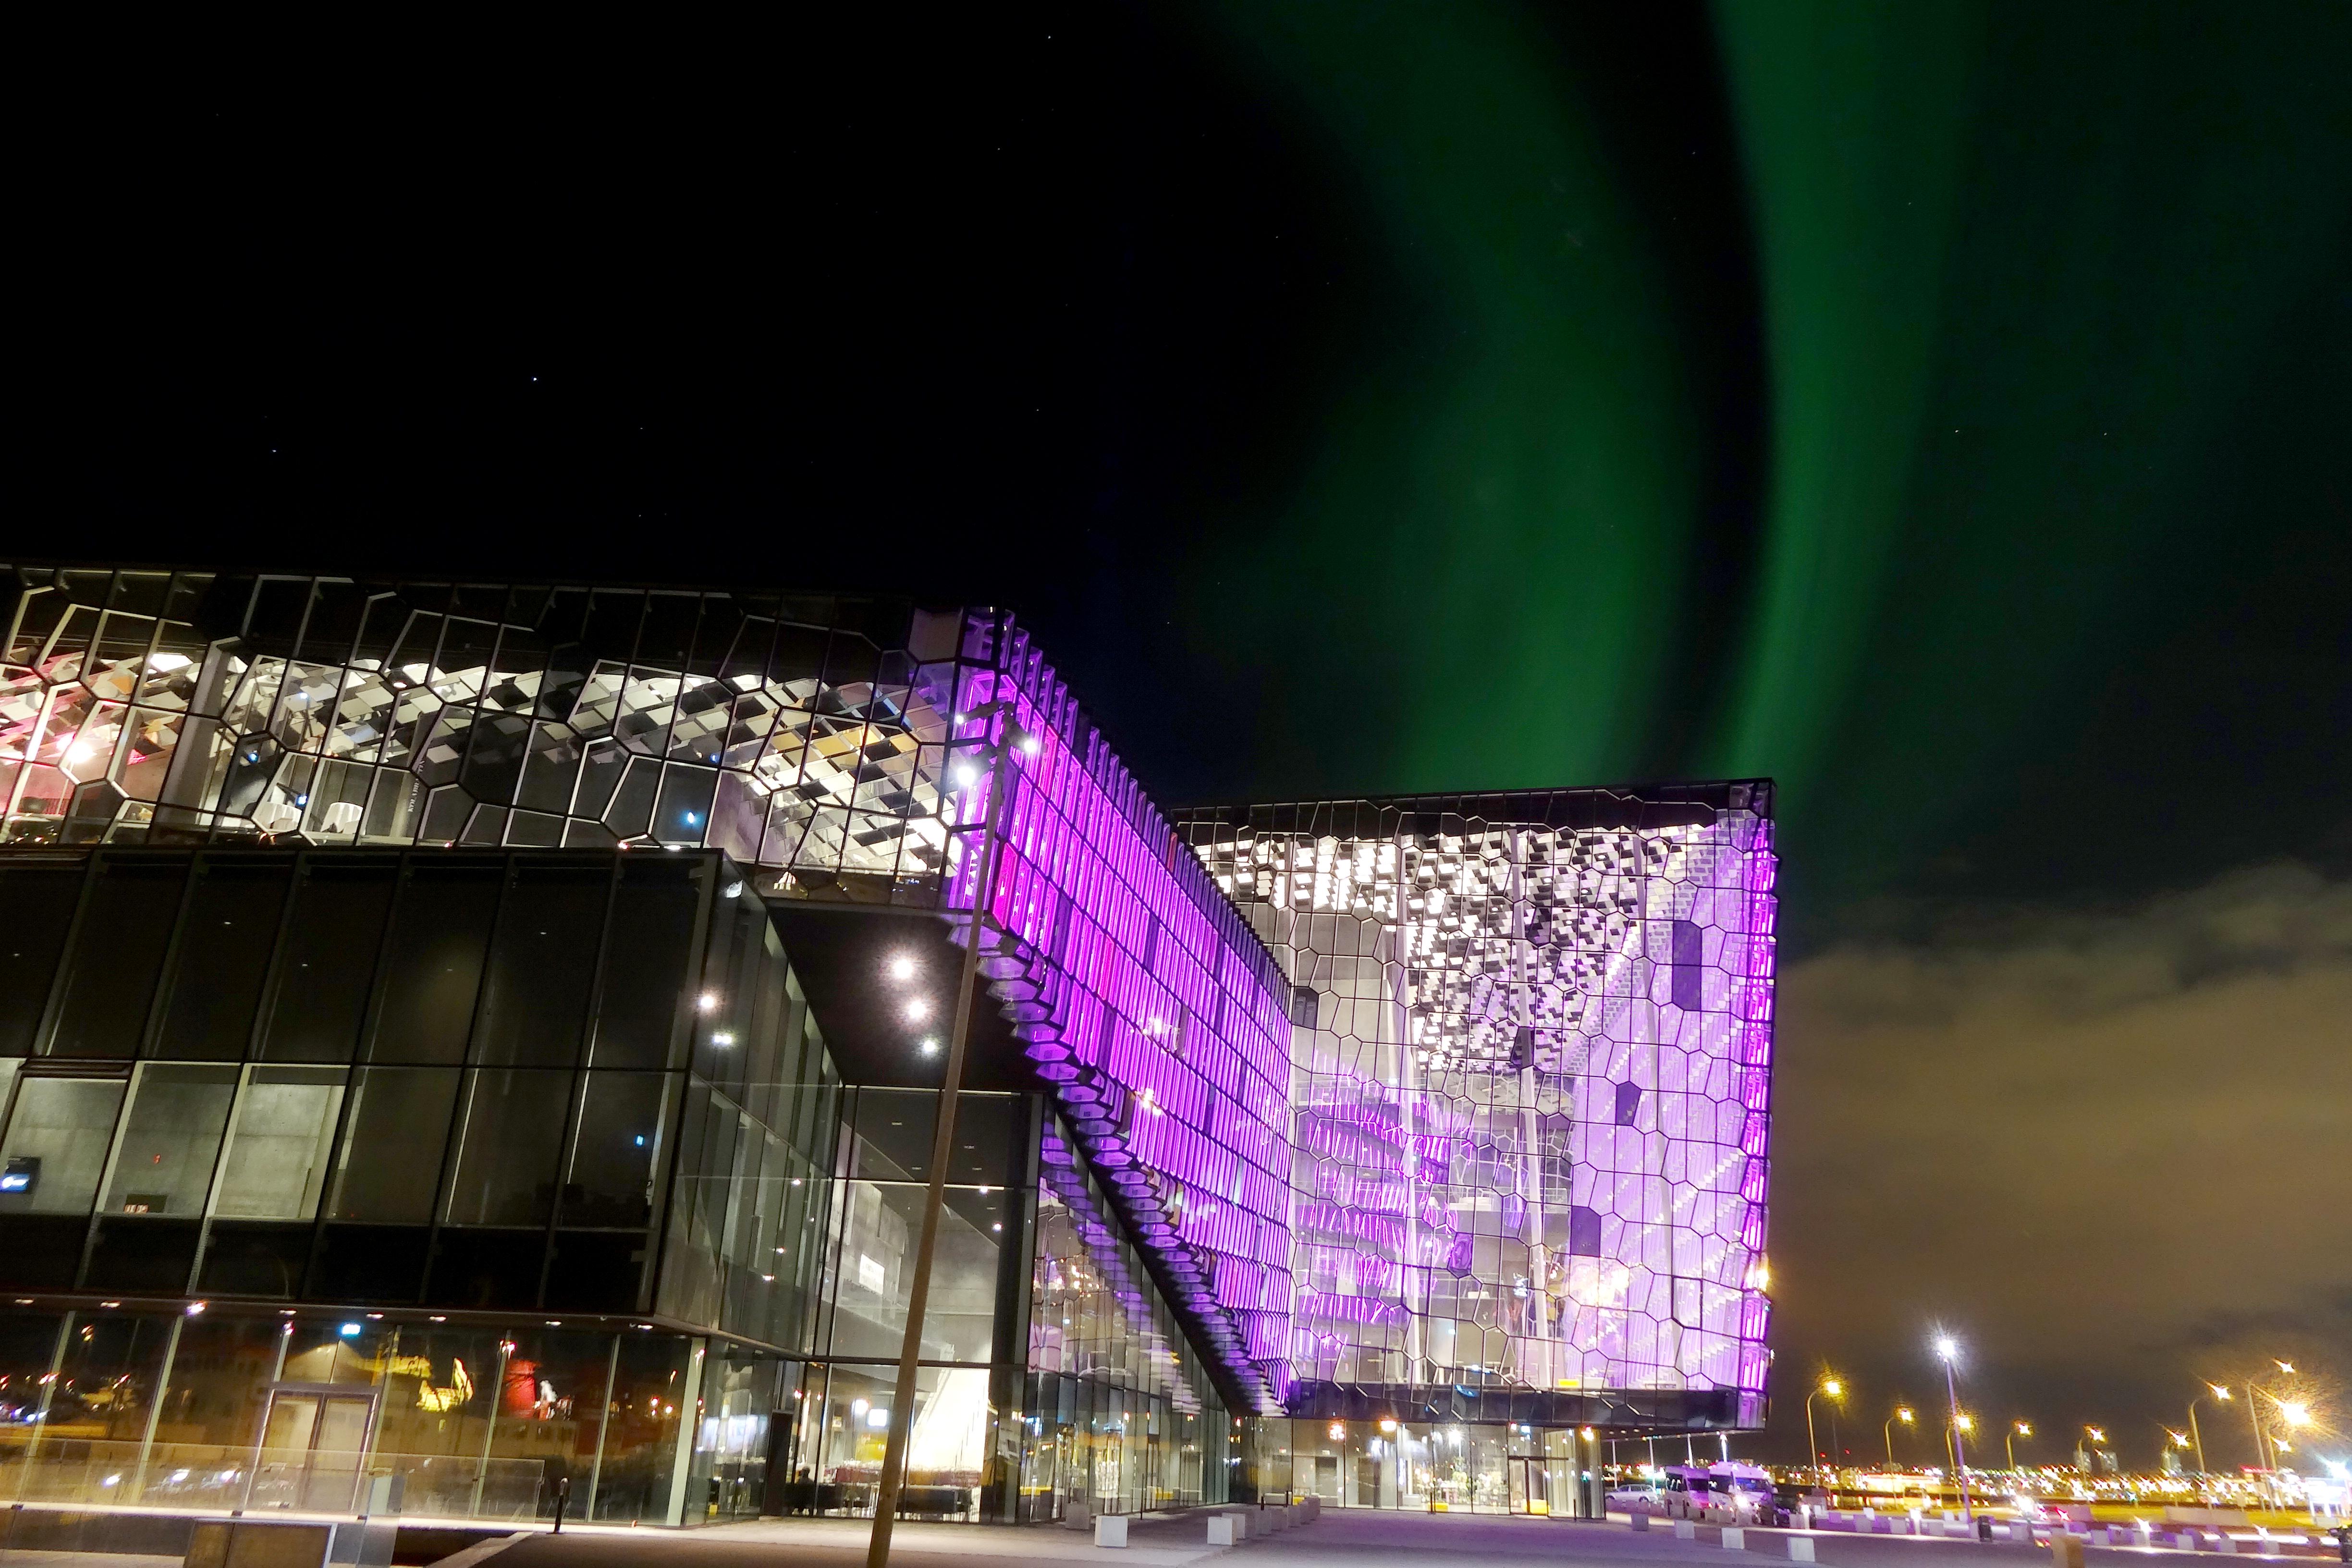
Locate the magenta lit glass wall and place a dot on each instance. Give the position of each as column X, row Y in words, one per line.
column 1530, row 1053
column 1144, row 999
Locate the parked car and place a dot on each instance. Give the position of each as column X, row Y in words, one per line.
column 1642, row 1498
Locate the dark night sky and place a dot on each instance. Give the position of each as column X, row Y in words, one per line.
column 1941, row 409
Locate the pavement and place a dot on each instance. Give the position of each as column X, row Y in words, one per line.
column 1350, row 1538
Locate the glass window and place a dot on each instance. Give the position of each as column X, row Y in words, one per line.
column 54, row 1151
column 39, row 901
column 110, row 973
column 608, row 1181
column 544, row 966
column 331, row 957
column 893, row 1133
column 646, row 979
column 171, row 1140
column 649, row 1386
column 278, row 1155
column 223, row 959
column 880, row 1225
column 390, row 1163
column 440, row 935
column 507, row 1152
column 106, row 1383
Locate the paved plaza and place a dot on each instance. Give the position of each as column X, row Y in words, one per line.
column 1337, row 1539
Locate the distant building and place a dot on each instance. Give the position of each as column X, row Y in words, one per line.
column 488, row 1035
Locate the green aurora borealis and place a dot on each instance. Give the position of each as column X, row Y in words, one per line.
column 2052, row 329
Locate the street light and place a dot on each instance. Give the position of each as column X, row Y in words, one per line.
column 2196, row 1437
column 2008, row 1439
column 1948, row 1351
column 1902, row 1413
column 1836, row 1390
column 1011, row 738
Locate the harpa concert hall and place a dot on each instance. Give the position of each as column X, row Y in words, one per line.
column 467, row 1041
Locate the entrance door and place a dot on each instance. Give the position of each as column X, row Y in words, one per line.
column 1532, row 1489
column 313, row 1445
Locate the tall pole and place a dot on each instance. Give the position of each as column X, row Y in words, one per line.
column 2196, row 1436
column 902, row 1403
column 1959, row 1454
column 1813, row 1444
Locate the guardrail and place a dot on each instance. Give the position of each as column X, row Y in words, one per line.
column 203, row 1477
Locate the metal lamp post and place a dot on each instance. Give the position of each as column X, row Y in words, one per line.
column 902, row 1403
column 1902, row 1413
column 2196, row 1438
column 1833, row 1388
column 2009, row 1440
column 1948, row 1351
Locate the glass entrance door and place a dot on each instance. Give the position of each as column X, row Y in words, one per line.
column 313, row 1447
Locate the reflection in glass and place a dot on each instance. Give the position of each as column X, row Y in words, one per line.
column 439, row 938
column 543, row 967
column 117, row 953
column 391, row 1161
column 330, row 951
column 506, row 1153
column 222, row 959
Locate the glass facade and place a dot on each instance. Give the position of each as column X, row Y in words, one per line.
column 401, row 956
column 410, row 1095
column 1530, row 1072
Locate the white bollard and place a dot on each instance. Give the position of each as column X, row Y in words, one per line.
column 1221, row 1530
column 2065, row 1550
column 1239, row 1518
column 2225, row 1542
column 1110, row 1529
column 1685, row 1530
column 1733, row 1540
column 1801, row 1549
column 1640, row 1519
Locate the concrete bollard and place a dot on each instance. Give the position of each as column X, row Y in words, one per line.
column 1734, row 1539
column 1240, row 1519
column 1110, row 1529
column 1221, row 1531
column 1801, row 1549
column 1685, row 1530
column 1076, row 1515
column 2225, row 1542
column 1640, row 1519
column 2065, row 1550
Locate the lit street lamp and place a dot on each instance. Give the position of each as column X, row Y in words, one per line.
column 1011, row 738
column 2195, row 1437
column 1902, row 1413
column 2008, row 1439
column 1836, row 1390
column 1947, row 1349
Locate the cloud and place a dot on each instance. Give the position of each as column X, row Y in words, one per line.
column 2093, row 1140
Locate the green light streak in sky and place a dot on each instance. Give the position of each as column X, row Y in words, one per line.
column 1854, row 171
column 1503, row 507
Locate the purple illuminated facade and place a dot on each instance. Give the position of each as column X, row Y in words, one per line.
column 1531, row 1043
column 1147, row 1004
column 1440, row 1110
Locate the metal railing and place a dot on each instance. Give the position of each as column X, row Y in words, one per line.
column 203, row 1478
